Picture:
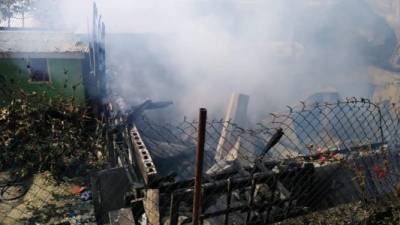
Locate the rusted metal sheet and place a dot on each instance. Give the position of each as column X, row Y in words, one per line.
column 109, row 189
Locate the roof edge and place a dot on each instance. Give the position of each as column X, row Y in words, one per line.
column 51, row 55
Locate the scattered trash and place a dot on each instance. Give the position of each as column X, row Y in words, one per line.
column 379, row 171
column 322, row 159
column 77, row 189
column 143, row 219
column 71, row 214
column 86, row 195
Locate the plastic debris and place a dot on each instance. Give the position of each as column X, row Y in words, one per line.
column 77, row 189
column 86, row 195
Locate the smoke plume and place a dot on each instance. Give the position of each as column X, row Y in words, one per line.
column 196, row 53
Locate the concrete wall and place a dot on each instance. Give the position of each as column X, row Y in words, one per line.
column 14, row 74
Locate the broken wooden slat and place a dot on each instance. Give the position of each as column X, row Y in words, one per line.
column 237, row 114
column 228, row 201
column 251, row 199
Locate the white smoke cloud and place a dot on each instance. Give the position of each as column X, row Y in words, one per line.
column 276, row 51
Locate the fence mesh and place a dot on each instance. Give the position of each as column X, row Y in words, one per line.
column 47, row 150
column 340, row 156
column 330, row 154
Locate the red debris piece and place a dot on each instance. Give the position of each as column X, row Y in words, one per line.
column 379, row 171
column 77, row 189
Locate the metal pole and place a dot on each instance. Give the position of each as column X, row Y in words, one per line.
column 199, row 165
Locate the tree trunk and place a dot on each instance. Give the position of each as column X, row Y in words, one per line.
column 9, row 22
column 23, row 19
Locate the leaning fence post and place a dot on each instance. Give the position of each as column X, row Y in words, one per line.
column 199, row 165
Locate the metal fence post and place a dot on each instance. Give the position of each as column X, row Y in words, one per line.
column 199, row 165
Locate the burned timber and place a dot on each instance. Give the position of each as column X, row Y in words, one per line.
column 316, row 156
column 324, row 153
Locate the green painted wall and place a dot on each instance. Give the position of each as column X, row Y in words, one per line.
column 15, row 74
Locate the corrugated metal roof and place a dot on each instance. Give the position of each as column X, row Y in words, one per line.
column 12, row 42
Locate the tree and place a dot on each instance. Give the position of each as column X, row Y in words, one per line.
column 12, row 8
column 21, row 7
column 45, row 12
column 7, row 10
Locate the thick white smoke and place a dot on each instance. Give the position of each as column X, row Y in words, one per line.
column 197, row 52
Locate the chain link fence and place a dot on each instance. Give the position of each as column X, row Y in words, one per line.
column 290, row 168
column 48, row 149
column 328, row 155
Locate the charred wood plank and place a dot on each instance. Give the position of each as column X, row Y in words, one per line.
column 228, row 201
column 174, row 209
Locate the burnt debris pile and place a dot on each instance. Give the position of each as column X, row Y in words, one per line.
column 314, row 157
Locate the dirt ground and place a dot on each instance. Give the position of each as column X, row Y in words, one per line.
column 45, row 202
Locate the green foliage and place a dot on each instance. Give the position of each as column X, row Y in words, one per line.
column 55, row 136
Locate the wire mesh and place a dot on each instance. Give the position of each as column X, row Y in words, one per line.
column 47, row 149
column 330, row 154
